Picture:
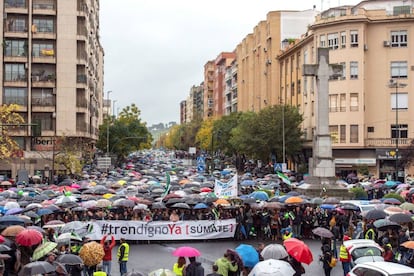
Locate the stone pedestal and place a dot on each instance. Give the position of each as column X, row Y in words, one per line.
column 315, row 186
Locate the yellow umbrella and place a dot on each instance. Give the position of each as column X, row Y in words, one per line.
column 107, row 196
column 121, row 182
column 92, row 183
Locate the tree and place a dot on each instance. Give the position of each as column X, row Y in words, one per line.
column 222, row 130
column 9, row 119
column 68, row 154
column 204, row 135
column 126, row 133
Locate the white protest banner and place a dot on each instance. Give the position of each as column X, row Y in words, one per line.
column 226, row 189
column 164, row 230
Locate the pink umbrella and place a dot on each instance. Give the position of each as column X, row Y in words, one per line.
column 75, row 186
column 186, row 251
column 29, row 237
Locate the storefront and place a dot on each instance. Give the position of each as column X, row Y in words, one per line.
column 387, row 164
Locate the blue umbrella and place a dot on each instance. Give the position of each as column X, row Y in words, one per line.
column 390, row 184
column 14, row 211
column 260, row 195
column 11, row 220
column 248, row 255
column 43, row 212
column 327, row 206
column 248, row 182
column 200, row 206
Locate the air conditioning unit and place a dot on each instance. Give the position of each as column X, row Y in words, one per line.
column 387, row 44
column 365, row 47
column 265, row 49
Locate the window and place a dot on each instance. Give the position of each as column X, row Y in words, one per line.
column 399, row 38
column 353, row 70
column 14, row 72
column 402, row 10
column 15, row 48
column 333, row 103
column 313, row 108
column 342, row 101
column 14, row 95
column 43, row 97
column 399, row 132
column 354, row 105
column 333, row 41
column 298, row 87
column 333, row 131
column 305, row 86
column 43, row 49
column 45, row 118
column 343, row 64
column 342, row 137
column 353, row 134
column 398, row 69
column 399, row 101
column 322, row 41
column 354, row 38
column 343, row 39
column 370, row 129
column 43, row 25
column 15, row 3
column 292, row 89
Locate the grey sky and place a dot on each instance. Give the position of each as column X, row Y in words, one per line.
column 155, row 50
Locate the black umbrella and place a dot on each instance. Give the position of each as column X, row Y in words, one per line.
column 375, row 214
column 39, row 267
column 323, row 232
column 385, row 224
column 348, row 206
column 400, row 218
column 70, row 259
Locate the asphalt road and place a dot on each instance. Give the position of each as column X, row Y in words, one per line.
column 146, row 257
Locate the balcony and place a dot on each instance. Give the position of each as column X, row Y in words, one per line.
column 44, row 7
column 387, row 142
column 11, row 6
column 44, row 81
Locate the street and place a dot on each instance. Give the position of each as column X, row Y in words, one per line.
column 145, row 258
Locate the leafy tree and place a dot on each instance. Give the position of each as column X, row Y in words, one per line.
column 203, row 136
column 68, row 154
column 126, row 133
column 9, row 119
column 222, row 130
column 359, row 193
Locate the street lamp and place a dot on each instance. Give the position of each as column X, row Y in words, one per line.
column 108, row 101
column 393, row 83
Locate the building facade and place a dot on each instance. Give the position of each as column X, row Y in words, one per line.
column 52, row 67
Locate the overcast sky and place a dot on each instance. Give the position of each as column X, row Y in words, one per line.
column 155, row 50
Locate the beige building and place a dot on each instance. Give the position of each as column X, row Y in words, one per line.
column 52, row 67
column 369, row 112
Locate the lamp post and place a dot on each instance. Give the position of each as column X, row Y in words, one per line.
column 393, row 83
column 108, row 101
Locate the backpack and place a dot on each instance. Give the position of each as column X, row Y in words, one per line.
column 333, row 261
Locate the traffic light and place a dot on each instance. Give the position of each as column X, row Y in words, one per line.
column 36, row 128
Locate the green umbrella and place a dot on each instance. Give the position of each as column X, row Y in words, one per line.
column 43, row 249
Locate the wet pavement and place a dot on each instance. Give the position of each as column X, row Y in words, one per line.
column 146, row 257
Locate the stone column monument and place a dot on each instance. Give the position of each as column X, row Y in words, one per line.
column 322, row 180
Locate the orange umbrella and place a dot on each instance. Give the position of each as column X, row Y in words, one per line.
column 408, row 244
column 12, row 231
column 294, row 200
column 91, row 253
column 221, row 201
column 184, row 181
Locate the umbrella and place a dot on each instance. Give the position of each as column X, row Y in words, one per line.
column 408, row 244
column 39, row 267
column 69, row 259
column 294, row 200
column 407, row 206
column 12, row 230
column 137, row 273
column 72, row 226
column 38, row 228
column 67, row 237
column 62, row 200
column 274, row 251
column 181, row 205
column 14, row 211
column 392, row 201
column 91, row 253
column 43, row 249
column 11, row 220
column 272, row 267
column 43, row 212
column 259, row 195
column 162, row 272
column 400, row 218
column 4, row 248
column 273, row 205
column 323, row 232
column 102, row 203
column 348, row 206
column 11, row 205
column 298, row 250
column 248, row 255
column 222, row 201
column 384, row 224
column 124, row 203
column 317, row 200
column 186, row 251
column 331, row 200
column 29, row 237
column 54, row 224
column 158, row 205
column 200, row 206
column 375, row 214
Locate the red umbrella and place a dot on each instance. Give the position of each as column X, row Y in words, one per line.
column 29, row 237
column 298, row 250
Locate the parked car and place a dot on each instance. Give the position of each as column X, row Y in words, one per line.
column 363, row 251
column 381, row 269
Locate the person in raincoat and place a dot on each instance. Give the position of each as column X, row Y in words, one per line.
column 107, row 259
column 194, row 268
column 226, row 264
column 179, row 266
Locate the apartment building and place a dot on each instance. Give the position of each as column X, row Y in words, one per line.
column 369, row 111
column 52, row 67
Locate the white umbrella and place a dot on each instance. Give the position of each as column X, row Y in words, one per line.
column 140, row 206
column 274, row 251
column 65, row 199
column 72, row 226
column 67, row 237
column 11, row 205
column 272, row 267
column 162, row 272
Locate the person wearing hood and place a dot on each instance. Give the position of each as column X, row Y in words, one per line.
column 194, row 268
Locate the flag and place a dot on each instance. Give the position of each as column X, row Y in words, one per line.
column 284, row 178
column 168, row 186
